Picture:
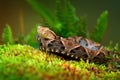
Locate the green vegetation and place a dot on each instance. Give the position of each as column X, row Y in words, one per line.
column 30, row 39
column 45, row 14
column 100, row 27
column 7, row 35
column 18, row 62
column 66, row 23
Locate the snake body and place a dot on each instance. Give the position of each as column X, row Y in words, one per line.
column 72, row 47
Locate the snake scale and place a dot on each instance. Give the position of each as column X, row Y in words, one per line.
column 75, row 48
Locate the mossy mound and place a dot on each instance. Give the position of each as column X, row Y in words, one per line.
column 22, row 62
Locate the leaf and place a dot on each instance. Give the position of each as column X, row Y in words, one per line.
column 101, row 27
column 30, row 39
column 70, row 19
column 59, row 11
column 45, row 14
column 81, row 27
column 7, row 35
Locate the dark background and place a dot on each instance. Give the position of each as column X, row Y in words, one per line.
column 22, row 18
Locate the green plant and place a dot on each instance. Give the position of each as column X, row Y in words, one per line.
column 30, row 39
column 100, row 28
column 113, row 47
column 82, row 27
column 66, row 23
column 45, row 15
column 7, row 35
column 70, row 20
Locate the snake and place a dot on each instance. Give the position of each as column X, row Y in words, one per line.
column 73, row 48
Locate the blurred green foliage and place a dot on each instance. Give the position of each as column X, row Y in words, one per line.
column 7, row 37
column 66, row 23
column 113, row 54
column 100, row 28
column 112, row 47
column 30, row 39
column 45, row 14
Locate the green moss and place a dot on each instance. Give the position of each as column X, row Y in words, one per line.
column 24, row 62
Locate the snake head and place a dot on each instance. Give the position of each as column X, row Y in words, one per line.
column 45, row 33
column 45, row 36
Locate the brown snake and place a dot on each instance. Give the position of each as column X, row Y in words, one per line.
column 72, row 47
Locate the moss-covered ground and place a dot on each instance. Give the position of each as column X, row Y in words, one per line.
column 22, row 62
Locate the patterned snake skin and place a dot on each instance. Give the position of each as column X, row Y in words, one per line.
column 75, row 48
